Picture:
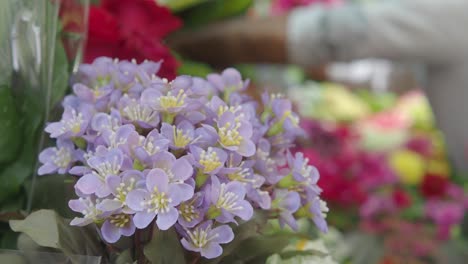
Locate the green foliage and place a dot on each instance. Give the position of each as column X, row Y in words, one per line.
column 212, row 11
column 164, row 248
column 47, row 229
column 194, row 69
column 180, row 5
column 10, row 139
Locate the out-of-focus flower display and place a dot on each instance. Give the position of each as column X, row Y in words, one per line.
column 132, row 29
column 384, row 163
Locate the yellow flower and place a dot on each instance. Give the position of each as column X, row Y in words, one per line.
column 408, row 165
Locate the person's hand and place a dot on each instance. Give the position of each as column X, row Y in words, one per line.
column 241, row 40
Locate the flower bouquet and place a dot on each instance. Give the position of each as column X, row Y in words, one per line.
column 185, row 171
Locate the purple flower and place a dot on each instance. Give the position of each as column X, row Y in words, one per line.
column 180, row 136
column 58, row 159
column 306, row 175
column 73, row 123
column 228, row 81
column 135, row 112
column 120, row 186
column 107, row 163
column 116, row 226
column 318, row 210
column 102, row 121
column 206, row 240
column 158, row 199
column 209, row 161
column 152, row 144
column 287, row 202
column 192, row 211
column 178, row 172
column 173, row 101
column 229, row 200
column 87, row 207
column 125, row 138
column 234, row 135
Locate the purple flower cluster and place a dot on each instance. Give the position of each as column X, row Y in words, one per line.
column 193, row 154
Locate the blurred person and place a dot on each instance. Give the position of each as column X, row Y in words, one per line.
column 427, row 32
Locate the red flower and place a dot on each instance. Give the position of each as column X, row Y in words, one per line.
column 132, row 29
column 434, row 186
column 401, row 198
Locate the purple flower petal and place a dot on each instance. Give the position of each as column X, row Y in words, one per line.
column 110, row 232
column 167, row 219
column 143, row 219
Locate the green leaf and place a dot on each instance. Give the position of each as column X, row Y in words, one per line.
column 10, row 131
column 61, row 74
column 52, row 192
column 213, row 11
column 194, row 69
column 164, row 248
column 180, row 5
column 48, row 229
column 254, row 227
column 124, row 258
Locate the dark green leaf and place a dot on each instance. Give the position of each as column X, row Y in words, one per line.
column 212, row 11
column 52, row 192
column 48, row 229
column 124, row 258
column 60, row 77
column 194, row 69
column 10, row 131
column 165, row 248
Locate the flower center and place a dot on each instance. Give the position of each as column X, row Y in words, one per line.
column 62, row 158
column 229, row 136
column 150, row 147
column 200, row 237
column 187, row 211
column 241, row 175
column 223, row 109
column 91, row 212
column 137, row 112
column 181, row 139
column 74, row 123
column 120, row 220
column 227, row 200
column 170, row 101
column 158, row 202
column 209, row 160
column 107, row 168
column 123, row 190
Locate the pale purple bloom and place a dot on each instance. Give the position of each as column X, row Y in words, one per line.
column 95, row 95
column 180, row 135
column 287, row 202
column 209, row 161
column 158, row 199
column 73, row 123
column 178, row 171
column 318, row 210
column 125, row 138
column 151, row 145
column 58, row 159
column 120, row 186
column 102, row 121
column 173, row 101
column 235, row 134
column 192, row 211
column 96, row 74
column 108, row 163
column 117, row 225
column 302, row 172
column 136, row 113
column 206, row 239
column 229, row 198
column 87, row 207
column 228, row 81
